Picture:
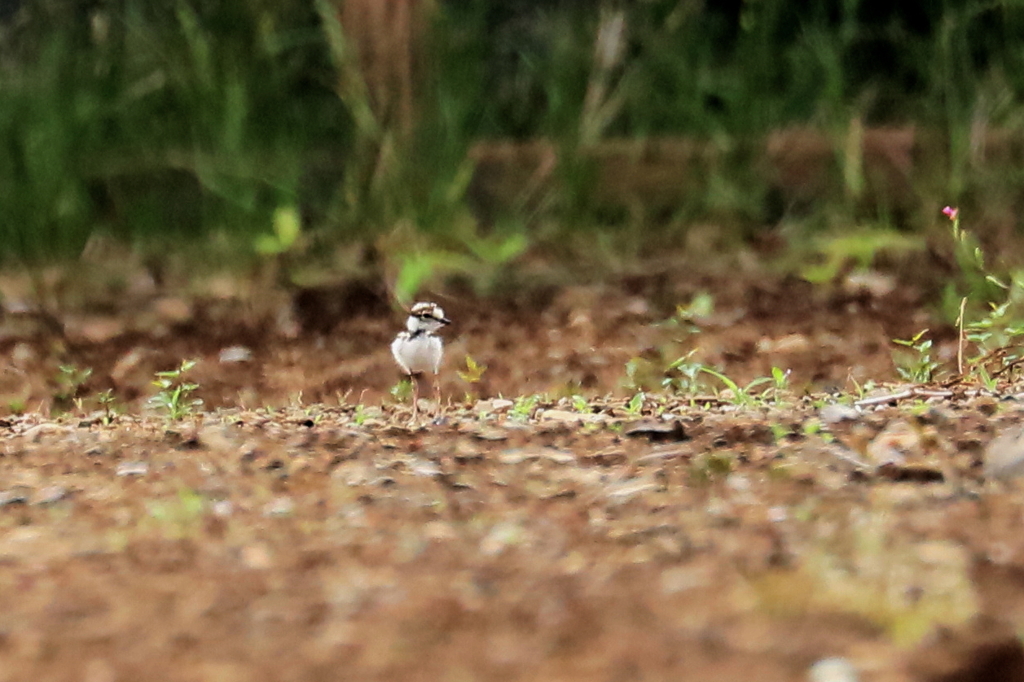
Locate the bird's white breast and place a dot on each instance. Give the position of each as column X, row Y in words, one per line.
column 415, row 354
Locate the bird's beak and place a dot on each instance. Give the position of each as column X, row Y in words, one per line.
column 444, row 320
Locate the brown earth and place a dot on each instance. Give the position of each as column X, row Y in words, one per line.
column 298, row 528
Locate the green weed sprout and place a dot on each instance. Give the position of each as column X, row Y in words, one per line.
column 402, row 390
column 977, row 282
column 995, row 335
column 287, row 226
column 741, row 396
column 474, row 371
column 69, row 384
column 687, row 317
column 175, row 394
column 915, row 365
column 108, row 404
column 523, row 408
column 682, row 374
column 636, row 404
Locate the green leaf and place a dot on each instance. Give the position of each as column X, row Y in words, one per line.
column 268, row 245
column 414, row 270
column 287, row 225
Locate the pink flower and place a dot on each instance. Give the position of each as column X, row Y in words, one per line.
column 951, row 212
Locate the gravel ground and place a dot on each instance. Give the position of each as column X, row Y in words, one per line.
column 297, row 526
column 506, row 541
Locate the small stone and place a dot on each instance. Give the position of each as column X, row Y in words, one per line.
column 51, row 494
column 222, row 508
column 791, row 343
column 490, row 434
column 568, row 417
column 898, row 443
column 36, row 433
column 517, row 456
column 495, row 405
column 627, row 490
column 425, row 468
column 655, row 430
column 439, row 530
column 638, row 307
column 835, row 413
column 279, row 506
column 22, row 354
column 558, row 456
column 132, row 469
column 234, row 354
column 500, row 537
column 832, row 670
column 871, row 282
column 1004, row 457
column 738, row 482
column 683, row 578
column 16, row 495
column 256, row 556
column 172, row 310
column 467, row 452
column 608, row 457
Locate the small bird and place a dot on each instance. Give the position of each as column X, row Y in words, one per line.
column 419, row 349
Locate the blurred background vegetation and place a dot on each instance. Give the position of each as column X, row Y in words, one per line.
column 454, row 136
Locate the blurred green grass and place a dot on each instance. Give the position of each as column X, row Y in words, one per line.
column 174, row 126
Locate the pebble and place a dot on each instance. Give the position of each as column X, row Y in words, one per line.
column 234, row 354
column 17, row 495
column 558, row 456
column 256, row 556
column 835, row 413
column 1004, row 456
column 517, row 456
column 567, row 417
column 791, row 343
column 36, row 433
column 50, row 495
column 425, row 468
column 683, row 578
column 832, row 670
column 491, row 434
column 503, row 535
column 896, row 444
column 22, row 354
column 172, row 310
column 655, row 430
column 630, row 489
column 279, row 506
column 132, row 469
column 222, row 508
column 494, row 405
column 738, row 482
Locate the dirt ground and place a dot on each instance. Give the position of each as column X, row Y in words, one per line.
column 298, row 527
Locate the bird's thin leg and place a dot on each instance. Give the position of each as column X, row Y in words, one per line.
column 415, row 396
column 437, row 395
